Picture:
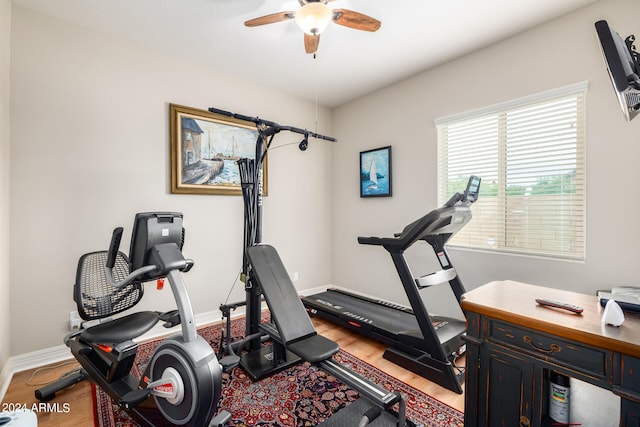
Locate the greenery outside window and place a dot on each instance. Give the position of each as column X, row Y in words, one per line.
column 530, row 156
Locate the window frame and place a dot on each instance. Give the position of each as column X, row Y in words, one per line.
column 577, row 242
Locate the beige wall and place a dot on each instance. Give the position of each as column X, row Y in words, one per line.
column 5, row 302
column 90, row 148
column 558, row 53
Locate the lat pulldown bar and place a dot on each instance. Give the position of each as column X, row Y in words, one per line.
column 268, row 128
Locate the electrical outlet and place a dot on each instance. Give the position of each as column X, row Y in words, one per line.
column 295, row 277
column 75, row 322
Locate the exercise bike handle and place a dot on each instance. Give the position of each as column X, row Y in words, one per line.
column 116, row 237
column 111, row 261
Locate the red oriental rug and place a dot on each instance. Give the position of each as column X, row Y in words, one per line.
column 302, row 395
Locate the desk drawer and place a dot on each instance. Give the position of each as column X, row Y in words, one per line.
column 630, row 373
column 589, row 360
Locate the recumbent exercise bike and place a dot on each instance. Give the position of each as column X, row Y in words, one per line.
column 183, row 374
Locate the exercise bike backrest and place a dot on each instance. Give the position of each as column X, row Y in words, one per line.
column 95, row 298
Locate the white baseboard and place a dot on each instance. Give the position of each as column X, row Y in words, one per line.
column 59, row 353
column 315, row 290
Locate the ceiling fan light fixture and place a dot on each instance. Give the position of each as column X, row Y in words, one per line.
column 313, row 18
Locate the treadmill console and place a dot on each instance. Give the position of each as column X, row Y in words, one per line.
column 470, row 194
column 472, row 190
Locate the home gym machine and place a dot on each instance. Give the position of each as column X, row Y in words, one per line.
column 424, row 344
column 255, row 362
column 183, row 374
column 292, row 335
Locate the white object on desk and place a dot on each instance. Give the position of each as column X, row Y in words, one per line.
column 613, row 314
column 19, row 418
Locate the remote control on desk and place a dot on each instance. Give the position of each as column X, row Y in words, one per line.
column 547, row 302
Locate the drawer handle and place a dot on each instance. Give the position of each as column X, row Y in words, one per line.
column 555, row 348
column 524, row 421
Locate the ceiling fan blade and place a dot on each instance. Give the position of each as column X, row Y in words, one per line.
column 356, row 20
column 270, row 19
column 311, row 43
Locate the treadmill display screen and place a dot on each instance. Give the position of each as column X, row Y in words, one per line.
column 473, row 188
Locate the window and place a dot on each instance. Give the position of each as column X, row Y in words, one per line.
column 530, row 156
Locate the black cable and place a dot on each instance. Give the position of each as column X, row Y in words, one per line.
column 460, row 369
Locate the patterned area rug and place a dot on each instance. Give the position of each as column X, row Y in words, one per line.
column 302, row 395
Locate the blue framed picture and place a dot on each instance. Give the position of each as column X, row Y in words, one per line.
column 375, row 172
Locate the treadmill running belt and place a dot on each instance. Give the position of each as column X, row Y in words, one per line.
column 390, row 323
column 393, row 321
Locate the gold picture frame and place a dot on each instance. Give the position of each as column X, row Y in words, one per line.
column 204, row 149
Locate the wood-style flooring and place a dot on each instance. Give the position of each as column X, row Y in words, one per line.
column 75, row 407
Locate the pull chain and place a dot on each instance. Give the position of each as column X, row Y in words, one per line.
column 315, row 59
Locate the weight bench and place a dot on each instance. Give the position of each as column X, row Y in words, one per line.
column 293, row 332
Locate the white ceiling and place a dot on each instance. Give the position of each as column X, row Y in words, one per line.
column 415, row 35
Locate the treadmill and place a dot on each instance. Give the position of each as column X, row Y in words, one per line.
column 424, row 344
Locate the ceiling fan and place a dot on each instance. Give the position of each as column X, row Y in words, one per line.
column 313, row 18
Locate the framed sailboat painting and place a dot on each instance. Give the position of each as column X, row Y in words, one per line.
column 375, row 172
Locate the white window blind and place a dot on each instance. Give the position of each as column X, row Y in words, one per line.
column 530, row 156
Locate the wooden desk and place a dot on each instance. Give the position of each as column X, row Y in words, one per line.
column 513, row 344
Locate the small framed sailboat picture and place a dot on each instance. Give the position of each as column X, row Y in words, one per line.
column 375, row 172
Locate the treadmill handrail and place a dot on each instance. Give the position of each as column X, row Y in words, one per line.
column 409, row 235
column 456, row 205
column 417, row 230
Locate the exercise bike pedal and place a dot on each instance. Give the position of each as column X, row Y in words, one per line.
column 134, row 397
column 171, row 318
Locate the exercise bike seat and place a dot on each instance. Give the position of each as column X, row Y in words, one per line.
column 122, row 329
